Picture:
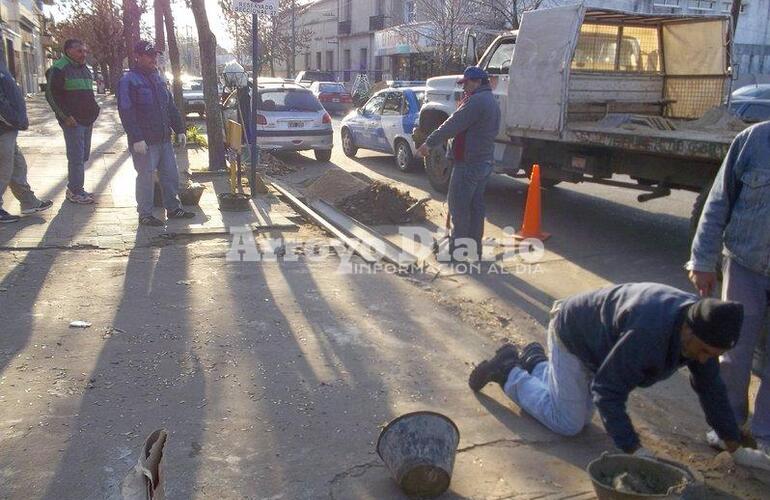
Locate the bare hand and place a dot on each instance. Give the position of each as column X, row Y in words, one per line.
column 70, row 122
column 423, row 151
column 705, row 282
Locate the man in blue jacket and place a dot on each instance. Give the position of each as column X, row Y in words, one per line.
column 606, row 343
column 736, row 223
column 13, row 166
column 473, row 128
column 148, row 114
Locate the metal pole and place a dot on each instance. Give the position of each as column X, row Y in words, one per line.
column 254, row 76
column 293, row 39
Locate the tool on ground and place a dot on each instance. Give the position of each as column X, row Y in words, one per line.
column 419, row 451
column 145, row 480
column 448, row 226
column 532, row 210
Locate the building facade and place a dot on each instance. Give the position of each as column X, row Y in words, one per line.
column 391, row 39
column 25, row 42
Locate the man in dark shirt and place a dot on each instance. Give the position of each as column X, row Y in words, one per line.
column 70, row 93
column 604, row 344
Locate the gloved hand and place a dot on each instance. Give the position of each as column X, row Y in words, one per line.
column 749, row 457
column 140, row 147
column 643, row 452
column 181, row 140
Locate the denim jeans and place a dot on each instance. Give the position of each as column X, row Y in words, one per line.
column 13, row 171
column 78, row 141
column 160, row 158
column 466, row 203
column 752, row 289
column 558, row 392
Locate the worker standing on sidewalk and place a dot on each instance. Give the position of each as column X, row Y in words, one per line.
column 148, row 114
column 70, row 93
column 13, row 166
column 604, row 344
column 736, row 222
column 473, row 127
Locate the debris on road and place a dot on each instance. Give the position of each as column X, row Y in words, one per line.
column 274, row 166
column 80, row 324
column 334, row 186
column 382, row 203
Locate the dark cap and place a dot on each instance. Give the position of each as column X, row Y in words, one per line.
column 145, row 47
column 716, row 322
column 473, row 73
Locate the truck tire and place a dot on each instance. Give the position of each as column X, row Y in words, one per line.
column 439, row 170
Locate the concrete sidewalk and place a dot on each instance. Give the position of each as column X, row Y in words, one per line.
column 112, row 222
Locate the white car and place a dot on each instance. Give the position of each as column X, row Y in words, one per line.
column 385, row 124
column 289, row 118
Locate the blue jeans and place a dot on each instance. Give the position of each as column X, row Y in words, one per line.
column 160, row 158
column 78, row 141
column 752, row 289
column 466, row 203
column 558, row 392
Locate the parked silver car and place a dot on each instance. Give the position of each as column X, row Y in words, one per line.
column 289, row 118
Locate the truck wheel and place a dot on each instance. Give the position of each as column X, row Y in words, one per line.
column 439, row 170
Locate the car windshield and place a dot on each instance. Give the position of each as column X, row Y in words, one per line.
column 288, row 100
column 331, row 87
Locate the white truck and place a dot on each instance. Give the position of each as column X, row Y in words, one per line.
column 595, row 95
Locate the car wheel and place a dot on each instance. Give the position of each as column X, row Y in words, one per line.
column 404, row 157
column 323, row 154
column 348, row 146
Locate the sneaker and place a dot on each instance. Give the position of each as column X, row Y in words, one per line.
column 6, row 218
column 496, row 369
column 747, row 441
column 40, row 207
column 713, row 440
column 532, row 355
column 80, row 199
column 179, row 214
column 149, row 220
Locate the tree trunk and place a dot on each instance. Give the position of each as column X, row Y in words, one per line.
column 131, row 15
column 208, row 48
column 173, row 55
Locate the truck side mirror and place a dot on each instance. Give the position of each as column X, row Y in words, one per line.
column 470, row 56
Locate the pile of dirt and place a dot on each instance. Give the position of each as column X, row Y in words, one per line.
column 334, row 186
column 716, row 118
column 381, row 203
column 274, row 166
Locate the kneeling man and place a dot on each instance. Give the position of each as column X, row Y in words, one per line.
column 604, row 344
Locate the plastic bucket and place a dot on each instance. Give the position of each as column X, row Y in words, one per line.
column 419, row 450
column 234, row 202
column 662, row 480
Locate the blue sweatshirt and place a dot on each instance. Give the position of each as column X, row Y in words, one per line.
column 13, row 109
column 629, row 336
column 146, row 108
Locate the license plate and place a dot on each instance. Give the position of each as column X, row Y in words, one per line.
column 335, row 100
column 296, row 124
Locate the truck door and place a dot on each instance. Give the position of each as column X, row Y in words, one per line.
column 537, row 89
column 498, row 65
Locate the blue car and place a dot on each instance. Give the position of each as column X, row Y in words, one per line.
column 385, row 124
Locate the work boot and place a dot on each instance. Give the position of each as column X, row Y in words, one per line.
column 532, row 355
column 496, row 369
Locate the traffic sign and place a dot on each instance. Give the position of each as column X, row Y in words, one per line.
column 269, row 7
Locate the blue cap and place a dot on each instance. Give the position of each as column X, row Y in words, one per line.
column 473, row 73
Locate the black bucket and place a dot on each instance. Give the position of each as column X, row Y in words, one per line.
column 419, row 450
column 234, row 202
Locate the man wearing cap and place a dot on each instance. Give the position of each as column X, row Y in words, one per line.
column 148, row 114
column 473, row 127
column 70, row 94
column 735, row 222
column 605, row 343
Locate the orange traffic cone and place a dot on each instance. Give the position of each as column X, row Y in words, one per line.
column 531, row 226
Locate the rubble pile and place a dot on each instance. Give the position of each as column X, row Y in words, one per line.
column 381, row 203
column 274, row 166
